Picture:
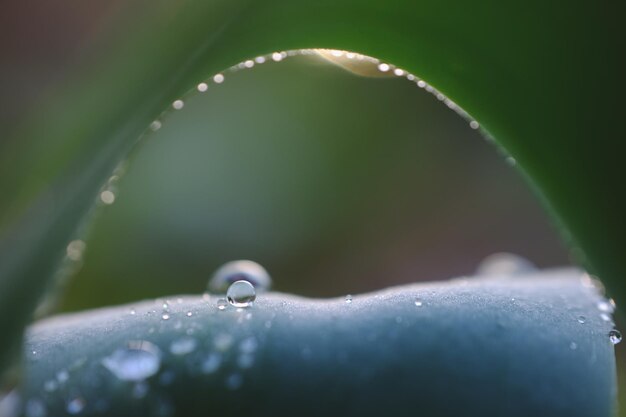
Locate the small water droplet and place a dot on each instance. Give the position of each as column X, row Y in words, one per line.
column 155, row 125
column 189, row 314
column 183, row 346
column 249, row 63
column 582, row 319
column 511, row 161
column 211, row 363
column 421, row 84
column 615, row 336
column 474, row 124
column 178, row 104
column 383, row 67
column 504, row 264
column 107, row 197
column 348, row 299
column 398, row 72
column 241, row 294
column 605, row 317
column 277, row 56
column 218, row 78
column 75, row 249
column 244, row 270
column 75, row 406
column 419, row 302
column 35, row 408
column 605, row 306
column 138, row 361
column 259, row 59
column 165, row 316
column 132, row 312
column 202, row 87
column 222, row 303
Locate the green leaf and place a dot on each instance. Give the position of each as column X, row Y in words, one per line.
column 514, row 346
column 534, row 74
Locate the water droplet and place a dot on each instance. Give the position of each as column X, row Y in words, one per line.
column 107, row 197
column 511, row 161
column 277, row 56
column 76, row 406
column 237, row 271
column 504, row 264
column 202, row 87
column 474, row 124
column 189, row 314
column 35, row 408
column 132, row 312
column 421, row 84
column 218, row 78
column 605, row 317
column 155, row 125
column 582, row 319
column 259, row 59
column 383, row 67
column 222, row 303
column 178, row 104
column 605, row 306
column 348, row 299
column 234, row 381
column 138, row 361
column 249, row 63
column 75, row 249
column 615, row 336
column 419, row 302
column 183, row 346
column 398, row 72
column 212, row 363
column 573, row 346
column 241, row 294
column 165, row 316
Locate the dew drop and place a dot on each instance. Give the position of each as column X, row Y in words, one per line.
column 189, row 314
column 383, row 67
column 138, row 361
column 202, row 87
column 504, row 264
column 237, row 271
column 259, row 59
column 218, row 78
column 511, row 161
column 398, row 72
column 348, row 299
column 155, row 125
column 183, row 346
column 605, row 317
column 75, row 406
column 474, row 124
column 277, row 56
column 165, row 316
column 605, row 306
column 249, row 63
column 615, row 336
column 107, row 197
column 132, row 312
column 419, row 302
column 582, row 319
column 222, row 304
column 75, row 249
column 421, row 84
column 241, row 294
column 178, row 104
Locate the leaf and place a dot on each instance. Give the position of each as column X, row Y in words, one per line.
column 514, row 346
column 518, row 68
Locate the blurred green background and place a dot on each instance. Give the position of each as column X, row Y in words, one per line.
column 335, row 183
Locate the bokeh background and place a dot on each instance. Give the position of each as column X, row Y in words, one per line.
column 336, row 183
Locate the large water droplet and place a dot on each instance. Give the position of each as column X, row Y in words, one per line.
column 240, row 271
column 76, row 405
column 183, row 346
column 138, row 361
column 504, row 264
column 241, row 294
column 615, row 336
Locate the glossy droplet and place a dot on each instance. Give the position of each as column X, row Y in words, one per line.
column 138, row 361
column 418, row 302
column 202, row 87
column 75, row 406
column 615, row 336
column 348, row 298
column 605, row 306
column 582, row 319
column 240, row 271
column 218, row 78
column 178, row 104
column 165, row 316
column 183, row 346
column 605, row 317
column 222, row 303
column 504, row 264
column 241, row 294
